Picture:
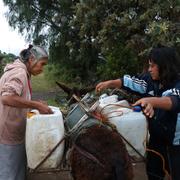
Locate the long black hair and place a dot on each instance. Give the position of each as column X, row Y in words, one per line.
column 168, row 63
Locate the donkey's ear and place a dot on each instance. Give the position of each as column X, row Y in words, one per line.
column 64, row 87
column 84, row 91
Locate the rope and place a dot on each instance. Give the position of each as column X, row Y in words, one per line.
column 158, row 154
column 163, row 162
column 118, row 105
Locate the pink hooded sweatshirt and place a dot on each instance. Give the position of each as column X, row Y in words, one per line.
column 14, row 81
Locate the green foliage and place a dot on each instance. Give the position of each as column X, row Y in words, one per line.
column 4, row 59
column 8, row 58
column 80, row 32
column 54, row 72
column 120, row 61
column 1, row 66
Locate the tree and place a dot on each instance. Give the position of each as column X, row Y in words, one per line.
column 1, row 66
column 88, row 36
column 4, row 59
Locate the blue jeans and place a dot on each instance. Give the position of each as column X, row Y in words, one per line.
column 12, row 162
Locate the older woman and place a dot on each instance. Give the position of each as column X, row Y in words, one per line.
column 15, row 101
column 161, row 103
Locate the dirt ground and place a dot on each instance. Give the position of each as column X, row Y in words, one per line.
column 44, row 96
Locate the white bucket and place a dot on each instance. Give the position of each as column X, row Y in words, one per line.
column 131, row 125
column 43, row 132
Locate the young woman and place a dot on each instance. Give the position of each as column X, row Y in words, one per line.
column 160, row 89
column 15, row 101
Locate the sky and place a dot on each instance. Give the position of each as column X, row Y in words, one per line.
column 10, row 40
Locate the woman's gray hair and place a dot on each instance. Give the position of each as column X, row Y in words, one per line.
column 36, row 51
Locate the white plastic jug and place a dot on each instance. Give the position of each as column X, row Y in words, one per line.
column 131, row 125
column 104, row 98
column 43, row 132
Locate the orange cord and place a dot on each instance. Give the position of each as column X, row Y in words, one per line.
column 158, row 154
column 163, row 162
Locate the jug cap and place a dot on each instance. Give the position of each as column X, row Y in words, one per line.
column 137, row 109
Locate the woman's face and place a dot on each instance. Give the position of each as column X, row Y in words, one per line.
column 37, row 68
column 153, row 70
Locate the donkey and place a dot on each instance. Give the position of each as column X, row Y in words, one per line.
column 98, row 153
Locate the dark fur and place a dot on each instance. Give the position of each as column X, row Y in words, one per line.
column 108, row 147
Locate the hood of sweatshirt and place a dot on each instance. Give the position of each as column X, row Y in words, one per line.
column 17, row 64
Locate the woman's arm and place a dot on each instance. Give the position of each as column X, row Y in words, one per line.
column 19, row 102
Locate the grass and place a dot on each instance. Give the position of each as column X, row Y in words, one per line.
column 52, row 102
column 41, row 84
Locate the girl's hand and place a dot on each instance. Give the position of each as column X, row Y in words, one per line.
column 146, row 106
column 102, row 85
column 116, row 83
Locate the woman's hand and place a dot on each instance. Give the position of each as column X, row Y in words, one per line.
column 146, row 106
column 44, row 109
column 43, row 102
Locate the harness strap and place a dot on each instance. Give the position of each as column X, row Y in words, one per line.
column 49, row 154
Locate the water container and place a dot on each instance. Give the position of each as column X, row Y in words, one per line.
column 43, row 132
column 131, row 125
column 104, row 98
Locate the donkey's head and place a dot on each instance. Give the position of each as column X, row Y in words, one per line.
column 75, row 90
